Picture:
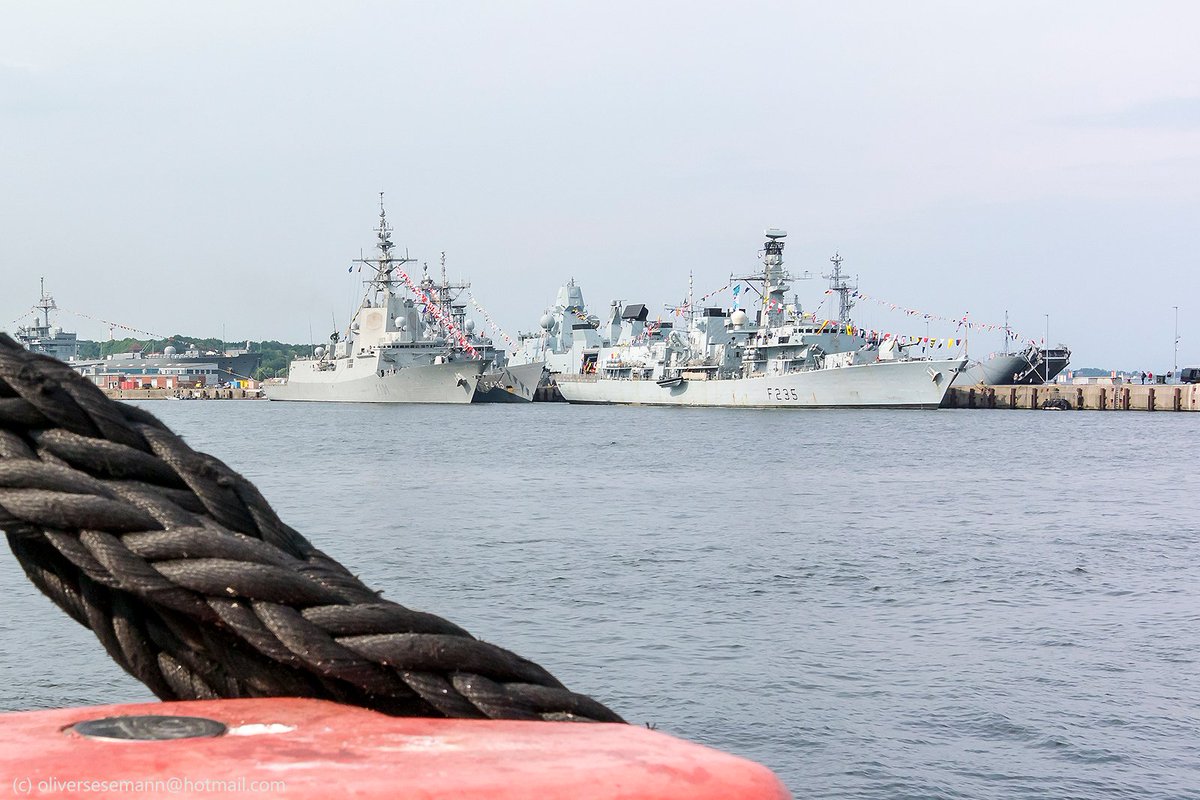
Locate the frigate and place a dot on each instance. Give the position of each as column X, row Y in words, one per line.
column 782, row 358
column 396, row 349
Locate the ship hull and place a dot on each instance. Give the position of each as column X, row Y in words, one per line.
column 512, row 384
column 1016, row 369
column 451, row 382
column 999, row 370
column 884, row 384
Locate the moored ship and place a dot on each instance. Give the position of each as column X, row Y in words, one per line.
column 784, row 358
column 1030, row 366
column 45, row 338
column 397, row 349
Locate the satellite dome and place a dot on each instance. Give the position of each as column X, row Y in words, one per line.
column 320, row 351
column 470, row 326
column 547, row 322
column 169, row 351
column 739, row 318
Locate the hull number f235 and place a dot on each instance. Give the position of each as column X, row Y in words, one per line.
column 782, row 393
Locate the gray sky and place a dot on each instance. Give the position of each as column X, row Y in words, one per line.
column 215, row 166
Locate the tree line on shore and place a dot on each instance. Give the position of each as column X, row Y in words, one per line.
column 275, row 355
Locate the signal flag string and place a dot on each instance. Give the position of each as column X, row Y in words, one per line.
column 113, row 324
column 491, row 323
column 32, row 310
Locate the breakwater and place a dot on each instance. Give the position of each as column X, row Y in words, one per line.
column 1089, row 397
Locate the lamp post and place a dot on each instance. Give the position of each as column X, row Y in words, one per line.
column 1046, row 351
column 1175, row 365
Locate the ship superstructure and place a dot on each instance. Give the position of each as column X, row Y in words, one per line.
column 567, row 336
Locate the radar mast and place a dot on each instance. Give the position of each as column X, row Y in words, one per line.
column 840, row 284
column 383, row 265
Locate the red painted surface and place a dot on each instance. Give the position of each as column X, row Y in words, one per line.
column 317, row 749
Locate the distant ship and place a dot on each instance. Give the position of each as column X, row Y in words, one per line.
column 395, row 350
column 783, row 359
column 46, row 338
column 504, row 380
column 1030, row 366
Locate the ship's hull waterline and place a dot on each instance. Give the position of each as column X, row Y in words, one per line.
column 450, row 382
column 883, row 384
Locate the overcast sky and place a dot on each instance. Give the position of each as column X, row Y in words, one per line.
column 214, row 166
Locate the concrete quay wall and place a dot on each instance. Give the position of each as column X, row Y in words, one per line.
column 1088, row 397
column 183, row 394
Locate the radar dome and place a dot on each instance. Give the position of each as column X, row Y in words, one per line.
column 739, row 319
column 470, row 326
column 547, row 322
column 169, row 351
column 320, row 351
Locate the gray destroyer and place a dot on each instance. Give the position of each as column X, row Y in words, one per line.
column 782, row 359
column 395, row 349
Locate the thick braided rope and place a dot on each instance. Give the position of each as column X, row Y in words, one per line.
column 196, row 588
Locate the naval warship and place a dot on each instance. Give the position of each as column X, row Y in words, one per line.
column 783, row 358
column 1030, row 366
column 46, row 338
column 397, row 349
column 504, row 380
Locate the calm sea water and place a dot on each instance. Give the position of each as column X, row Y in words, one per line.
column 875, row 604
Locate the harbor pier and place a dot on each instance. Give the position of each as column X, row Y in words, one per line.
column 1088, row 397
column 203, row 393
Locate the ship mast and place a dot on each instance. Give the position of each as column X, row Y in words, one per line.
column 46, row 304
column 840, row 284
column 383, row 265
column 774, row 278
